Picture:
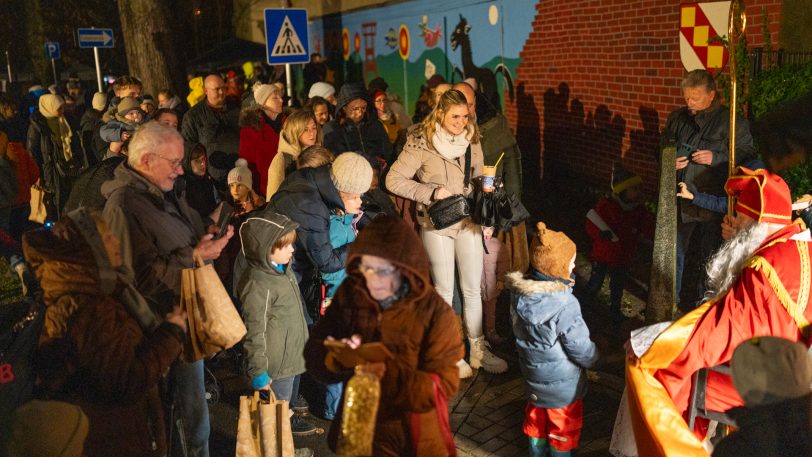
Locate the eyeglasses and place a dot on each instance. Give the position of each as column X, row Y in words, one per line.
column 172, row 163
column 366, row 270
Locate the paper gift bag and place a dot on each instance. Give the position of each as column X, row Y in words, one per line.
column 39, row 212
column 263, row 428
column 214, row 323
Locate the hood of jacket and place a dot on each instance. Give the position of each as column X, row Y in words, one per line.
column 540, row 300
column 350, row 92
column 259, row 233
column 292, row 150
column 389, row 237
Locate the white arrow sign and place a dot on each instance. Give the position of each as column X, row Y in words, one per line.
column 95, row 38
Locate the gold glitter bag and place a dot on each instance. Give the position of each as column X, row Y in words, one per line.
column 361, row 399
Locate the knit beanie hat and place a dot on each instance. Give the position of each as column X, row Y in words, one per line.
column 377, row 84
column 769, row 369
column 551, row 252
column 48, row 429
column 351, row 173
column 262, row 92
column 126, row 105
column 435, row 81
column 623, row 179
column 240, row 174
column 321, row 89
column 99, row 101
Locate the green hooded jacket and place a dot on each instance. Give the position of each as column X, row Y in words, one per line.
column 271, row 304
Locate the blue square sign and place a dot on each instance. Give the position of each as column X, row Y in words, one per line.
column 286, row 35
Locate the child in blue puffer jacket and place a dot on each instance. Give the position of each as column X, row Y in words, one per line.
column 553, row 344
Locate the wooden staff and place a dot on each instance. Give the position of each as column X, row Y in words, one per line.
column 735, row 29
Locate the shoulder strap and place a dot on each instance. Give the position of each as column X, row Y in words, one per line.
column 467, row 179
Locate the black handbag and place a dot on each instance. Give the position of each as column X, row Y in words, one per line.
column 450, row 210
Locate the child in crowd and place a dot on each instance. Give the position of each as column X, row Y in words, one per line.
column 240, row 189
column 553, row 344
column 616, row 226
column 119, row 130
column 272, row 309
column 203, row 193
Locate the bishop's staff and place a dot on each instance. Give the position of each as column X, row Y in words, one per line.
column 735, row 29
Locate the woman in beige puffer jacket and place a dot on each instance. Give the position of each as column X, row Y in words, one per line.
column 430, row 168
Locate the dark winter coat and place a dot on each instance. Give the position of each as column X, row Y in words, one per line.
column 271, row 304
column 158, row 232
column 57, row 174
column 628, row 224
column 90, row 128
column 708, row 129
column 93, row 351
column 782, row 429
column 87, row 188
column 369, row 138
column 203, row 193
column 419, row 330
column 259, row 143
column 309, row 197
column 552, row 340
column 217, row 130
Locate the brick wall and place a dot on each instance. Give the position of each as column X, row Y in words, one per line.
column 597, row 81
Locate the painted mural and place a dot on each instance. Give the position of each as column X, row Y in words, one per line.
column 409, row 42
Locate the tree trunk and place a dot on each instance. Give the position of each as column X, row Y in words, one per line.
column 148, row 41
column 36, row 42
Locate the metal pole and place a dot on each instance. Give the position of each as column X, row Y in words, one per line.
column 288, row 84
column 98, row 68
column 53, row 67
column 8, row 66
column 736, row 25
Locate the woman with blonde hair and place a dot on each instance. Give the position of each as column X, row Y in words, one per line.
column 299, row 132
column 432, row 167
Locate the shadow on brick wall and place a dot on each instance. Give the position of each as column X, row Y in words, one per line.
column 528, row 136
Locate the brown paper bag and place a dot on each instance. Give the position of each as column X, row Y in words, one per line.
column 263, row 428
column 39, row 212
column 214, row 323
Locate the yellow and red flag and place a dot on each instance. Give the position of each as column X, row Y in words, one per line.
column 699, row 24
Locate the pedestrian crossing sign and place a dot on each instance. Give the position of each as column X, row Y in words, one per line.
column 286, row 35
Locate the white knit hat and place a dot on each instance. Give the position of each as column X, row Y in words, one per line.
column 241, row 174
column 321, row 89
column 351, row 173
column 99, row 101
column 262, row 92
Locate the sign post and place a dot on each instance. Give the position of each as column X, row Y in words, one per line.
column 53, row 51
column 96, row 38
column 287, row 40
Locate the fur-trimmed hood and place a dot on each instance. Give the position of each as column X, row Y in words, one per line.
column 538, row 301
column 523, row 285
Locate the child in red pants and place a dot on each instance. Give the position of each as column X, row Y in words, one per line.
column 553, row 344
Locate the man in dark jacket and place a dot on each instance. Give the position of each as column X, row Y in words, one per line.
column 95, row 148
column 160, row 236
column 701, row 132
column 214, row 124
column 355, row 128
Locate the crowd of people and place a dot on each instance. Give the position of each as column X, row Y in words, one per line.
column 327, row 235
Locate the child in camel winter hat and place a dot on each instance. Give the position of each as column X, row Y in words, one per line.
column 553, row 344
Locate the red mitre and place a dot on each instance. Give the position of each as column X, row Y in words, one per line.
column 761, row 195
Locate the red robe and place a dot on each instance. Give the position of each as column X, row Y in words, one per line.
column 769, row 298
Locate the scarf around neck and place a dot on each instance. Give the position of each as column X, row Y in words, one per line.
column 447, row 145
column 61, row 134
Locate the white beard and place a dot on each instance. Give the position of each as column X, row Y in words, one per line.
column 724, row 267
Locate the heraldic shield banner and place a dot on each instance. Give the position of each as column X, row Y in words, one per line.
column 700, row 24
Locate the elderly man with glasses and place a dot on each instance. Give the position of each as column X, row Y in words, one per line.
column 160, row 236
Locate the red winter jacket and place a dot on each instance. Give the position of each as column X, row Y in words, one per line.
column 259, row 143
column 628, row 225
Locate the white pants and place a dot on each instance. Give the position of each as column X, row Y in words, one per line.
column 466, row 253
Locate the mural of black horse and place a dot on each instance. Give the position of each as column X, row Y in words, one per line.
column 485, row 78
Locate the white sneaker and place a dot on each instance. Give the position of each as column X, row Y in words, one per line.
column 481, row 357
column 465, row 369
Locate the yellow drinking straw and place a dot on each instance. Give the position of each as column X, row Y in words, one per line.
column 499, row 160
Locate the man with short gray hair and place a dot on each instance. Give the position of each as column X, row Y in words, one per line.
column 160, row 236
column 701, row 132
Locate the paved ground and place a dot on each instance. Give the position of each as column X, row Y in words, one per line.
column 487, row 414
